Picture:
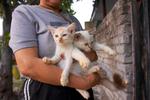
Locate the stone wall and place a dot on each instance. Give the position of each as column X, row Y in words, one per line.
column 115, row 31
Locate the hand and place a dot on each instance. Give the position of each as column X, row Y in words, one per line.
column 91, row 55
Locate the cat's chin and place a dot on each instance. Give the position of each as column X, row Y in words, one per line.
column 65, row 43
column 87, row 50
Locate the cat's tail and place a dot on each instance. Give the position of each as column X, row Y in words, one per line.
column 119, row 82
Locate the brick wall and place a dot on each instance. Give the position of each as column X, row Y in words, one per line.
column 115, row 31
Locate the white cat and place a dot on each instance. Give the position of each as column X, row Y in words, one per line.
column 85, row 41
column 65, row 52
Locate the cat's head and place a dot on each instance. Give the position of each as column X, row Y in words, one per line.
column 63, row 35
column 83, row 40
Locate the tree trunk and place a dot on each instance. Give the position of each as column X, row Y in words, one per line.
column 6, row 91
column 6, row 84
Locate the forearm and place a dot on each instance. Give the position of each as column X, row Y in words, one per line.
column 51, row 74
column 30, row 65
column 45, row 73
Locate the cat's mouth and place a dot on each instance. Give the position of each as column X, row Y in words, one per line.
column 89, row 46
column 61, row 41
column 88, row 49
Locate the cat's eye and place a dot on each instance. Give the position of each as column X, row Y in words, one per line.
column 64, row 34
column 56, row 35
column 86, row 44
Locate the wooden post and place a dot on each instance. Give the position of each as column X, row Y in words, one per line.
column 146, row 18
column 136, row 39
column 104, row 8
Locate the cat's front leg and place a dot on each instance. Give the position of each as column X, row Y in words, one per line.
column 47, row 60
column 99, row 70
column 105, row 48
column 65, row 74
column 54, row 60
column 81, row 58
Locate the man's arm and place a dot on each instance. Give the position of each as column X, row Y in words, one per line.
column 30, row 65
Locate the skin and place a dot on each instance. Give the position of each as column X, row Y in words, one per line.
column 29, row 64
column 51, row 4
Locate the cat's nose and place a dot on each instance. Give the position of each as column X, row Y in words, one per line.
column 60, row 40
column 88, row 45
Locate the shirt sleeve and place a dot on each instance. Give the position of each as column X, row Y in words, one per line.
column 22, row 33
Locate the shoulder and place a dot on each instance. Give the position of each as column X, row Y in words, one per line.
column 24, row 11
column 23, row 8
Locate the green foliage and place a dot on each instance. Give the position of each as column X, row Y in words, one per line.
column 1, row 8
column 14, row 3
column 15, row 72
column 6, row 37
column 66, row 6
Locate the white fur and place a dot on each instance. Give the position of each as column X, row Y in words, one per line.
column 84, row 37
column 65, row 46
column 70, row 48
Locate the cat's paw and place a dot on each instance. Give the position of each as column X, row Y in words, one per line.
column 102, row 73
column 85, row 94
column 84, row 63
column 94, row 69
column 64, row 79
column 111, row 52
column 47, row 60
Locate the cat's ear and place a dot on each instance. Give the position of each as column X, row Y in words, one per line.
column 77, row 36
column 71, row 28
column 92, row 31
column 51, row 29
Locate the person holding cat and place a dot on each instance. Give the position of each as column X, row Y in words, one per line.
column 30, row 41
